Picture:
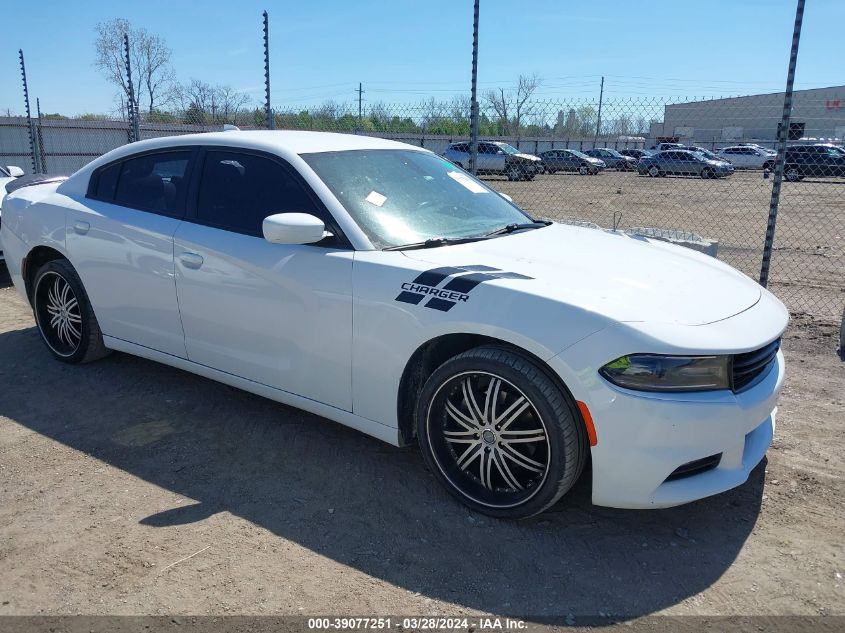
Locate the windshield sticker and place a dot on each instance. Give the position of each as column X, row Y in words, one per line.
column 456, row 290
column 376, row 198
column 467, row 182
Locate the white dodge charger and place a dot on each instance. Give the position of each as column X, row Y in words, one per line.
column 378, row 285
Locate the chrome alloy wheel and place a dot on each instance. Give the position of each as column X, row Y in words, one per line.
column 58, row 314
column 488, row 439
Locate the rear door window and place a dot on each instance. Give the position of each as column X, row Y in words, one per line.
column 153, row 182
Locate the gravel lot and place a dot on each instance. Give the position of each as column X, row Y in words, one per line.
column 132, row 488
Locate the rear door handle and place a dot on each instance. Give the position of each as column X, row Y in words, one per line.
column 191, row 260
column 81, row 227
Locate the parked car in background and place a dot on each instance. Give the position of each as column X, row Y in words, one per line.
column 612, row 158
column 635, row 153
column 677, row 162
column 707, row 153
column 819, row 160
column 495, row 157
column 662, row 147
column 380, row 286
column 7, row 175
column 767, row 150
column 570, row 160
column 747, row 157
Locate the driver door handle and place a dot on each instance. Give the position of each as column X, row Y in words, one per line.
column 191, row 260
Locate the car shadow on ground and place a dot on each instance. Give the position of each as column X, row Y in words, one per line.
column 283, row 470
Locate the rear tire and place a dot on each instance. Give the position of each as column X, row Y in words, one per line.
column 499, row 434
column 64, row 316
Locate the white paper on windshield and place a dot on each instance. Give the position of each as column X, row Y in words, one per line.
column 467, row 182
column 376, row 198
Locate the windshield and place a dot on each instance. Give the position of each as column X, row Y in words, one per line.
column 3, row 172
column 507, row 149
column 402, row 196
column 613, row 152
column 578, row 154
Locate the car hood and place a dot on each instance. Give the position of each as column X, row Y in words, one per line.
column 621, row 277
column 526, row 156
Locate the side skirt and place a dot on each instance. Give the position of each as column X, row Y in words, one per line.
column 380, row 431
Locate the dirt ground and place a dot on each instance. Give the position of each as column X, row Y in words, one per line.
column 127, row 487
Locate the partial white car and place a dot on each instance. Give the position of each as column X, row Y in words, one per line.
column 496, row 157
column 7, row 175
column 378, row 285
column 747, row 157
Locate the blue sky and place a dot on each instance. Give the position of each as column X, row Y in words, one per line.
column 409, row 50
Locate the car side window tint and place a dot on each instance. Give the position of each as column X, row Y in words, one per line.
column 237, row 191
column 107, row 182
column 154, row 182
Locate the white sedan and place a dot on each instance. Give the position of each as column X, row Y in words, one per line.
column 376, row 284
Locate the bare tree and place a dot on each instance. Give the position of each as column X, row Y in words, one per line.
column 229, row 102
column 148, row 53
column 513, row 107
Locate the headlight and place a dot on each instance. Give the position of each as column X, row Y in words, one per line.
column 652, row 372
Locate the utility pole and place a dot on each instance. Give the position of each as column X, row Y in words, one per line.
column 360, row 92
column 473, row 115
column 268, row 111
column 28, row 115
column 598, row 121
column 783, row 131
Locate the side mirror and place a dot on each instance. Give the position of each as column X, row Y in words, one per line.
column 506, row 196
column 14, row 171
column 293, row 228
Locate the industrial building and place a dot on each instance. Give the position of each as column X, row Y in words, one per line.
column 816, row 114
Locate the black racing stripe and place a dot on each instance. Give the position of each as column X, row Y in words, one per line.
column 504, row 275
column 440, row 304
column 465, row 283
column 410, row 297
column 436, row 275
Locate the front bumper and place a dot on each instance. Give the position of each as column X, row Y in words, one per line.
column 645, row 437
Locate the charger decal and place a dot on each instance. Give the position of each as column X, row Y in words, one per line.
column 462, row 279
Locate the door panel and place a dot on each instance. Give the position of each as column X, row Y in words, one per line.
column 277, row 314
column 125, row 260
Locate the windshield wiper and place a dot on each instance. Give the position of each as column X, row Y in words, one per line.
column 433, row 242
column 510, row 228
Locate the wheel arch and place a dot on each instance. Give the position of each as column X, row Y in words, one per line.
column 34, row 260
column 436, row 351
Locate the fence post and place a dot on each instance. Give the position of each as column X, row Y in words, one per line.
column 271, row 123
column 28, row 116
column 42, row 155
column 473, row 113
column 782, row 133
column 133, row 108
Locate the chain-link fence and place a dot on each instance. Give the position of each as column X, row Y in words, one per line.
column 692, row 171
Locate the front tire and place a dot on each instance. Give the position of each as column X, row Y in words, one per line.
column 707, row 173
column 64, row 315
column 654, row 171
column 499, row 434
column 513, row 172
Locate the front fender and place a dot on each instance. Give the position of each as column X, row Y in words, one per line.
column 391, row 322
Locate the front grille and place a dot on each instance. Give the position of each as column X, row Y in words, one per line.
column 748, row 367
column 695, row 467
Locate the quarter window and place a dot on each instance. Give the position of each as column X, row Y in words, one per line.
column 237, row 191
column 152, row 182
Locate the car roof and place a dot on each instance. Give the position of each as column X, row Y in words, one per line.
column 288, row 144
